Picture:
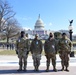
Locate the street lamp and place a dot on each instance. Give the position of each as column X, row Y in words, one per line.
column 70, row 32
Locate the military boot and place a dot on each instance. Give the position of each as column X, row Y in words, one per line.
column 47, row 69
column 66, row 69
column 54, row 69
column 48, row 64
column 37, row 68
column 25, row 64
column 20, row 68
column 62, row 68
column 24, row 68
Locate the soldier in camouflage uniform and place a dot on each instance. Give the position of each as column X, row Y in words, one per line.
column 50, row 48
column 64, row 51
column 22, row 49
column 36, row 50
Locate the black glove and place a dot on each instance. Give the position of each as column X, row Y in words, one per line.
column 27, row 52
column 60, row 52
column 56, row 52
column 16, row 52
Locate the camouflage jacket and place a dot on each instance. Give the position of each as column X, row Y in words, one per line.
column 50, row 46
column 64, row 44
column 22, row 43
column 36, row 46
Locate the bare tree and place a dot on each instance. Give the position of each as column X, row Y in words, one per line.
column 11, row 28
column 6, row 13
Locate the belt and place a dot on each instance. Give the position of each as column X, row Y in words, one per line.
column 22, row 48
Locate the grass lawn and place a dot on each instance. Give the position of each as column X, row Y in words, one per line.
column 7, row 52
column 11, row 52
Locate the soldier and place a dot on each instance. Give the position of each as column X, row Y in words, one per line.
column 64, row 50
column 36, row 50
column 50, row 48
column 22, row 48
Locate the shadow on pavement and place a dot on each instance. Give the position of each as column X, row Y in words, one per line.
column 12, row 71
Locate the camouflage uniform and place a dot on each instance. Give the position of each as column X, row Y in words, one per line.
column 50, row 48
column 64, row 51
column 36, row 50
column 22, row 46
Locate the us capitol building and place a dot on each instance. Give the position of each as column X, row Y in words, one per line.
column 38, row 29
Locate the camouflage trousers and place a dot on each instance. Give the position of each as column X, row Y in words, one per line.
column 22, row 55
column 64, row 55
column 53, row 58
column 36, row 60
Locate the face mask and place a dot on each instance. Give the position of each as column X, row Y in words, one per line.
column 36, row 38
column 64, row 37
column 51, row 36
column 22, row 35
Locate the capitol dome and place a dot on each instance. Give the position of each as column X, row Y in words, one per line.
column 39, row 25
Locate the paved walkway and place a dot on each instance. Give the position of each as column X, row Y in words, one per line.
column 9, row 66
column 13, row 61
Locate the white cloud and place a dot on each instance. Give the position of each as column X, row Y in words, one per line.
column 50, row 24
column 26, row 28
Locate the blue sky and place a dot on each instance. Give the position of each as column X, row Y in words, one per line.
column 54, row 13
